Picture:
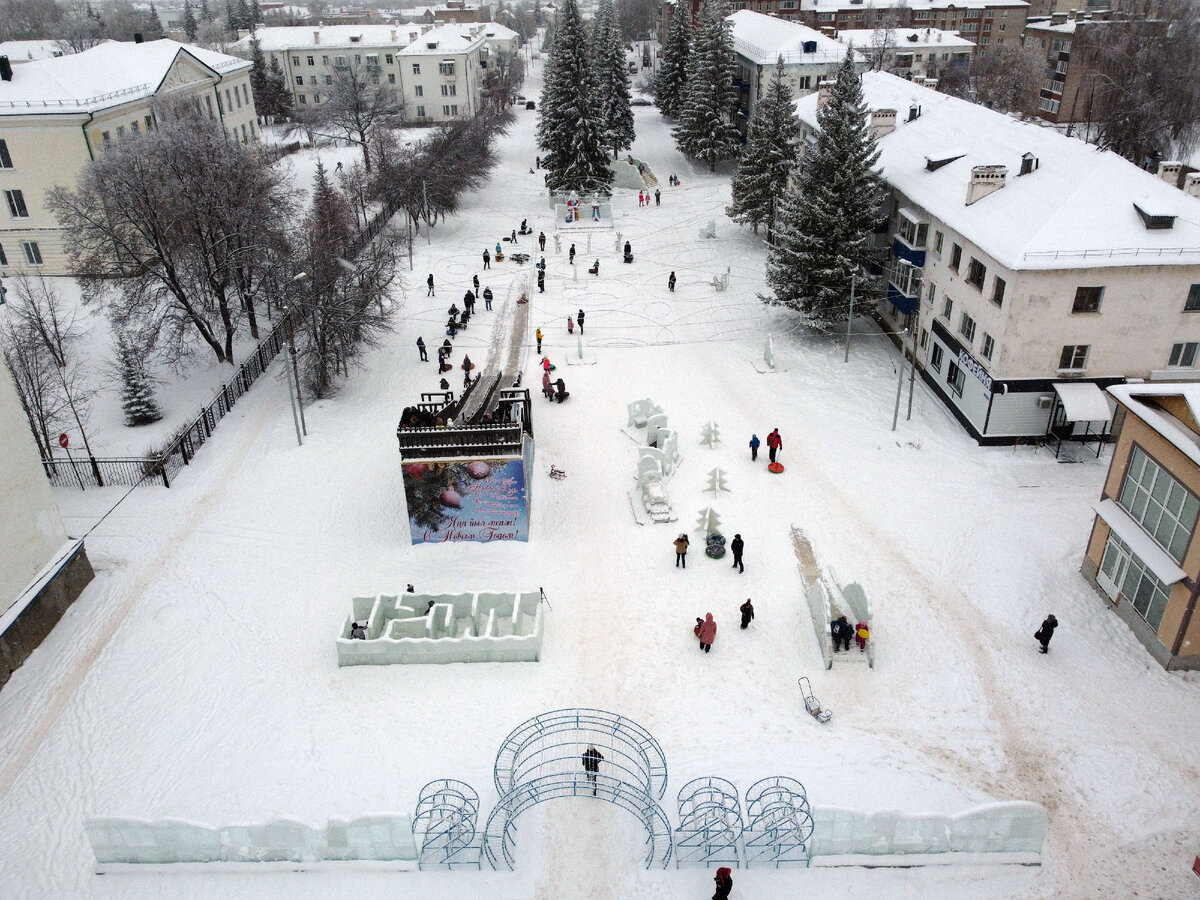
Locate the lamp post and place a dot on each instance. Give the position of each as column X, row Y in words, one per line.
column 293, row 371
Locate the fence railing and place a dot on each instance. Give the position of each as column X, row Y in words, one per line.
column 132, row 471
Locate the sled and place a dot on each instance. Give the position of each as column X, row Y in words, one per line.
column 556, row 473
column 775, row 467
column 811, row 705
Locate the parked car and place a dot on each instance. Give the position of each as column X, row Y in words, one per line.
column 633, row 68
column 640, row 101
column 529, row 104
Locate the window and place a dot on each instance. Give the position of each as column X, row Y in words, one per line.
column 920, row 15
column 937, row 242
column 312, row 79
column 246, row 93
column 955, row 378
column 3, row 258
column 357, row 58
column 1159, row 503
column 391, row 77
column 988, row 347
column 372, row 60
column 419, row 90
column 135, row 127
column 1048, row 105
column 295, row 60
column 105, row 136
column 208, row 104
column 311, row 61
column 955, row 257
column 420, row 112
column 325, row 60
column 388, row 58
column 976, row 273
column 998, row 286
column 303, row 99
column 416, row 68
column 33, row 253
column 316, row 98
column 6, row 160
column 1073, row 357
column 1183, row 355
column 915, row 234
column 339, row 62
column 947, row 308
column 787, row 4
column 245, row 138
column 1124, row 574
column 1087, row 299
column 120, row 131
column 446, row 67
column 449, row 90
column 932, row 293
column 935, row 358
column 329, row 79
column 150, row 122
column 966, row 327
column 451, row 110
column 238, row 97
column 16, row 204
column 1192, row 304
column 300, row 80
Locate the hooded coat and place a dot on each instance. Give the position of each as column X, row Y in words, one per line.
column 708, row 630
column 681, row 544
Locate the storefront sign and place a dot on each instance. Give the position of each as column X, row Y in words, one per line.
column 966, row 361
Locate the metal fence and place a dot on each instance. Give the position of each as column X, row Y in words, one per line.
column 103, row 472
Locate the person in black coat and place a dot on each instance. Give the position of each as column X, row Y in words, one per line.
column 747, row 611
column 842, row 632
column 591, row 765
column 736, row 546
column 724, row 882
column 579, row 319
column 1046, row 632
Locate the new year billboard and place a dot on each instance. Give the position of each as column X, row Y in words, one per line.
column 467, row 500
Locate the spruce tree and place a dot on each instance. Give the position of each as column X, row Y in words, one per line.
column 766, row 167
column 154, row 24
column 829, row 214
column 206, row 14
column 279, row 92
column 189, row 21
column 612, row 78
column 137, row 389
column 259, row 82
column 670, row 84
column 571, row 130
column 705, row 130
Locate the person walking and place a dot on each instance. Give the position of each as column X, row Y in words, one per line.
column 1046, row 632
column 487, row 258
column 736, row 546
column 641, row 201
column 469, row 301
column 681, row 548
column 571, row 255
column 541, row 281
column 542, row 241
column 840, row 631
column 475, row 281
column 421, row 349
column 724, row 882
column 429, row 281
column 754, row 442
column 671, row 283
column 861, row 633
column 747, row 611
column 774, row 443
column 487, row 298
column 538, row 334
column 591, row 764
column 628, row 252
column 708, row 632
column 579, row 319
column 513, row 238
column 657, row 197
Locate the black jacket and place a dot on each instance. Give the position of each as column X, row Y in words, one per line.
column 736, row 546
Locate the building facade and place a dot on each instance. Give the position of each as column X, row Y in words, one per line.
column 911, row 52
column 442, row 73
column 1018, row 259
column 57, row 114
column 1141, row 556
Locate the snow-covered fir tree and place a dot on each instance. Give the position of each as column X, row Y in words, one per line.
column 137, row 389
column 571, row 129
column 612, row 78
column 767, row 164
column 827, row 217
column 670, row 84
column 705, row 130
column 189, row 21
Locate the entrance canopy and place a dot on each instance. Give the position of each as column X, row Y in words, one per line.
column 1078, row 401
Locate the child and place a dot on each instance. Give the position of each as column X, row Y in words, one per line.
column 860, row 636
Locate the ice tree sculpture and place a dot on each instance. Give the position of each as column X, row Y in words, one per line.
column 710, row 434
column 716, row 481
column 709, row 521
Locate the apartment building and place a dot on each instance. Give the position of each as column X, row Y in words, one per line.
column 57, row 114
column 1022, row 260
column 442, row 71
column 912, row 52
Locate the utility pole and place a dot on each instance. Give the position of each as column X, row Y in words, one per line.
column 293, row 370
column 425, row 204
column 912, row 372
column 899, row 382
column 850, row 314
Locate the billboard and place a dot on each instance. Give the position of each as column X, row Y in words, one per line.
column 467, row 500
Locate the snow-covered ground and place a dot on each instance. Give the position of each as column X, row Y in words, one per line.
column 196, row 677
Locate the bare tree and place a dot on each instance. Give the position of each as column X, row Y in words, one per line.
column 883, row 37
column 27, row 20
column 192, row 223
column 79, row 29
column 1008, row 78
column 503, row 79
column 359, row 102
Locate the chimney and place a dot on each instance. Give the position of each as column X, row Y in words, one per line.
column 5, row 69
column 823, row 90
column 137, row 38
column 316, row 37
column 1029, row 163
column 1169, row 171
column 1191, row 185
column 883, row 122
column 985, row 180
column 393, row 35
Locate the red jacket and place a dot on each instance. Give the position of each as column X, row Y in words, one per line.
column 708, row 631
column 774, row 440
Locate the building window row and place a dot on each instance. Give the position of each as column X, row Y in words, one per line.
column 1130, row 578
column 5, row 159
column 1159, row 503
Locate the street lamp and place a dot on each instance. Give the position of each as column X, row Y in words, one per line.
column 293, row 371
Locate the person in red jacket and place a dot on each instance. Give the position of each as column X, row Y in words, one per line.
column 724, row 882
column 708, row 632
column 774, row 443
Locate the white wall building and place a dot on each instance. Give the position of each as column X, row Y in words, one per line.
column 759, row 41
column 442, row 71
column 911, row 52
column 1027, row 259
column 57, row 114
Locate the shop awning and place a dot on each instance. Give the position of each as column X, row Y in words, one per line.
column 1154, row 556
column 1083, row 401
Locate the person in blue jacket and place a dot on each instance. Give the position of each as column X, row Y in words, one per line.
column 754, row 442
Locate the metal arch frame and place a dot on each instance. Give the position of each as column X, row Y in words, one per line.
column 710, row 827
column 448, row 814
column 781, row 822
column 607, row 727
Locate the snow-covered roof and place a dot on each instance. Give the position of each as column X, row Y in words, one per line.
column 1180, row 435
column 1067, row 27
column 763, row 39
column 107, row 75
column 834, row 6
column 1074, row 210
column 27, row 51
column 453, row 38
column 907, row 39
column 494, row 31
column 305, row 37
